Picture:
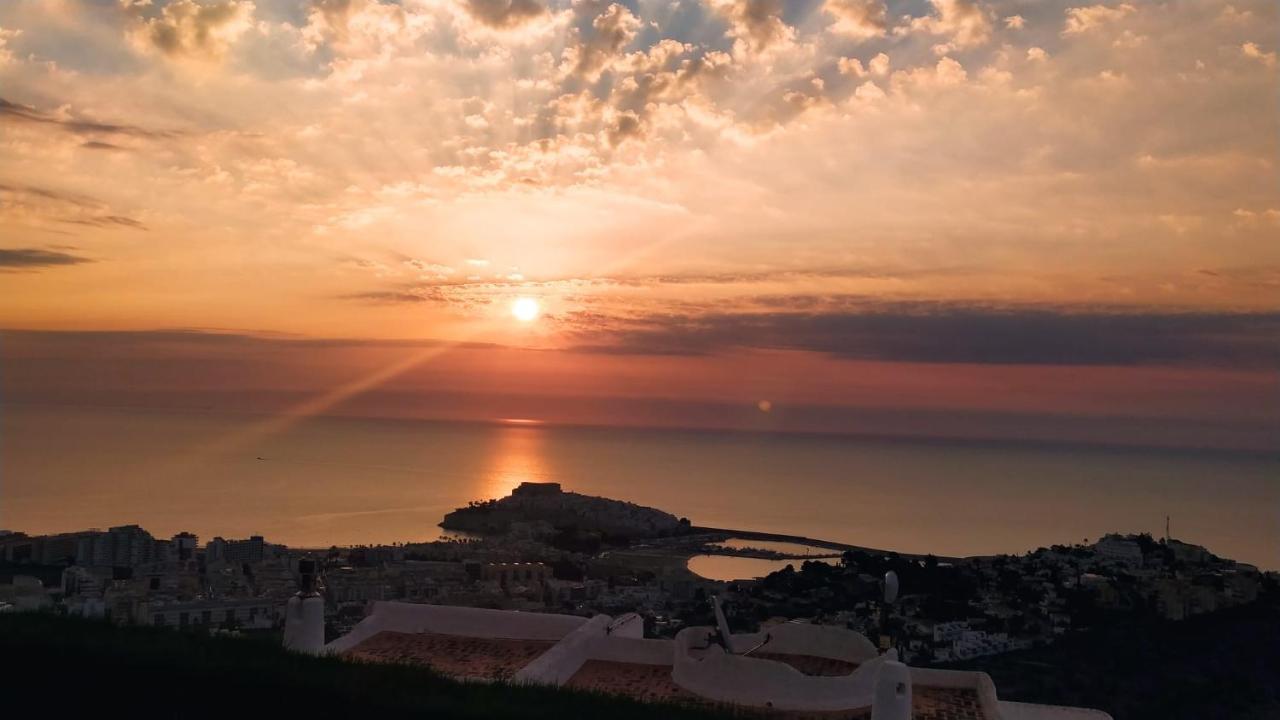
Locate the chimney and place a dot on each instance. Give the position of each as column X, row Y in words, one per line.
column 304, row 614
column 892, row 700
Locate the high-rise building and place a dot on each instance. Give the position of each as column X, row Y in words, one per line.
column 250, row 550
column 130, row 545
column 183, row 546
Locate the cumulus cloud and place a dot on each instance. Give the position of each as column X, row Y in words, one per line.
column 1085, row 19
column 601, row 128
column 504, row 13
column 755, row 25
column 364, row 28
column 187, row 28
column 611, row 31
column 966, row 23
column 857, row 18
column 6, row 55
column 1253, row 52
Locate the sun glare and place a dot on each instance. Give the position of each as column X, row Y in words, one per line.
column 525, row 309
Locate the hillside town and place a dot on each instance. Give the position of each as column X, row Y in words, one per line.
column 546, row 550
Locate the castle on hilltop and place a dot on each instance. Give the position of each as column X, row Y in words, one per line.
column 549, row 504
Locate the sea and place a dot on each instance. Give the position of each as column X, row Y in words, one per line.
column 320, row 481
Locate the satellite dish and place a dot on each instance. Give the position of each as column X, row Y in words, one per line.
column 890, row 587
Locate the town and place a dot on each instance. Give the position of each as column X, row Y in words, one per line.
column 546, row 550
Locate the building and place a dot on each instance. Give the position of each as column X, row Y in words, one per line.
column 237, row 552
column 121, row 546
column 1116, row 549
column 789, row 669
column 510, row 575
column 537, row 489
column 255, row 613
column 128, row 545
column 183, row 546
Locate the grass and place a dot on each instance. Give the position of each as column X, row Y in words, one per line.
column 70, row 665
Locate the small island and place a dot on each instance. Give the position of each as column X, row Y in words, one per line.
column 546, row 505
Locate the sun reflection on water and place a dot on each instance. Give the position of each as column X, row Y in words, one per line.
column 518, row 456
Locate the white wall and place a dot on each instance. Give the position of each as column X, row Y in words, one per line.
column 759, row 682
column 557, row 665
column 822, row 641
column 450, row 620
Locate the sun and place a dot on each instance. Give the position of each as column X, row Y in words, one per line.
column 525, row 309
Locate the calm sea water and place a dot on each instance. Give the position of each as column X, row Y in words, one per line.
column 725, row 567
column 323, row 481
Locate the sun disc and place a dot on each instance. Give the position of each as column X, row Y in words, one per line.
column 525, row 309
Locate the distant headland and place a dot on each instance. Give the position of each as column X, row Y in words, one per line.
column 547, row 504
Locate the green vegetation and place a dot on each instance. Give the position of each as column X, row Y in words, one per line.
column 1221, row 665
column 78, row 666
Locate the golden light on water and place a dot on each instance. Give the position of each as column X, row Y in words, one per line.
column 518, row 456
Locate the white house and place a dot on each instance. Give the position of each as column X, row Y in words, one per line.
column 789, row 668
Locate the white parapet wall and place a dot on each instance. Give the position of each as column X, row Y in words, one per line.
column 707, row 670
column 557, row 665
column 698, row 664
column 992, row 706
column 600, row 638
column 824, row 641
column 462, row 621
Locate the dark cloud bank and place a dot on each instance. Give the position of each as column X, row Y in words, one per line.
column 951, row 334
column 32, row 258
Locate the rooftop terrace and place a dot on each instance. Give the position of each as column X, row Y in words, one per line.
column 453, row 655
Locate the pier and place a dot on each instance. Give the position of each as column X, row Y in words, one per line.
column 813, row 542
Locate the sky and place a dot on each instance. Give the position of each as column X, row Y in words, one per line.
column 1027, row 219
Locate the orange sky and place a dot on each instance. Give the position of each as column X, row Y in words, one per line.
column 1053, row 207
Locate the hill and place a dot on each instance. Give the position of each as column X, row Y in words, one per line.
column 1220, row 665
column 548, row 505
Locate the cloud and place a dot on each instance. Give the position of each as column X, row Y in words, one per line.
column 631, row 134
column 106, row 221
column 16, row 111
column 756, row 25
column 1084, row 19
column 504, row 14
column 951, row 333
column 433, row 295
column 99, row 145
column 190, row 29
column 21, row 203
column 965, row 22
column 857, row 18
column 32, row 258
column 1253, row 52
column 611, row 31
column 625, row 126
